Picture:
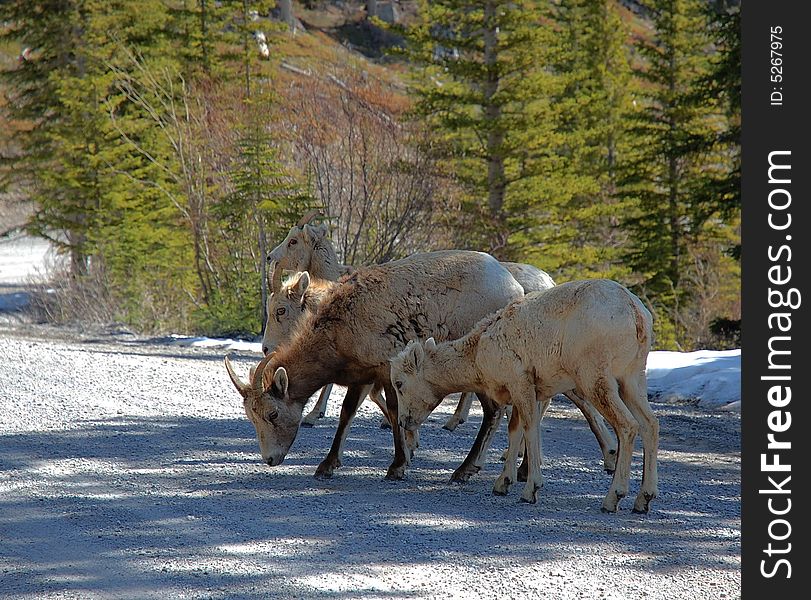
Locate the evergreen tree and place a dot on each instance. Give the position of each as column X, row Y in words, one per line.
column 486, row 89
column 593, row 62
column 663, row 174
column 263, row 203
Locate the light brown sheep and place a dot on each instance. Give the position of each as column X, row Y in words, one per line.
column 593, row 336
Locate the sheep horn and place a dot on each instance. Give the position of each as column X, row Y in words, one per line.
column 257, row 375
column 238, row 383
column 276, row 278
column 309, row 217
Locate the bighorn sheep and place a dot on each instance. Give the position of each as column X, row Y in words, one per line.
column 357, row 327
column 593, row 336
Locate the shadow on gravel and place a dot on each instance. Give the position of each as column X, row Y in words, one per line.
column 164, row 507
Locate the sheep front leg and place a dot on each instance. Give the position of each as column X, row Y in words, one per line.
column 349, row 408
column 530, row 416
column 509, row 473
column 461, row 413
column 397, row 468
column 319, row 409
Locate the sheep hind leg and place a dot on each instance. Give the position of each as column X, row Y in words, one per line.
column 354, row 395
column 634, row 393
column 491, row 419
column 606, row 440
column 461, row 413
column 509, row 473
column 604, row 394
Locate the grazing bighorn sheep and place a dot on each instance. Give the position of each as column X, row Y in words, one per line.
column 593, row 336
column 306, row 248
column 357, row 327
column 289, row 303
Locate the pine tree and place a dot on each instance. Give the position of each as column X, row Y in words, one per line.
column 486, row 89
column 663, row 174
column 593, row 62
column 263, row 202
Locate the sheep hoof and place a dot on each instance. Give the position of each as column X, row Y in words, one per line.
column 326, row 468
column 531, row 498
column 642, row 504
column 384, row 424
column 501, row 486
column 452, row 423
column 462, row 476
column 307, row 424
column 609, row 471
column 395, row 473
column 610, row 505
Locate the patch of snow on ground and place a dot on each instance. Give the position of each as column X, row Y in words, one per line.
column 710, row 377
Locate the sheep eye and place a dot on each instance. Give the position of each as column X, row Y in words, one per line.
column 281, row 311
column 292, row 242
column 398, row 385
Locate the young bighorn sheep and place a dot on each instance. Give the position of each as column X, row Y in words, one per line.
column 357, row 327
column 593, row 336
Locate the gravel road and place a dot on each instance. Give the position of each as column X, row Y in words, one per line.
column 128, row 470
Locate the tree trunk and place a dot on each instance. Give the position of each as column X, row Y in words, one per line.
column 496, row 184
column 286, row 8
column 263, row 272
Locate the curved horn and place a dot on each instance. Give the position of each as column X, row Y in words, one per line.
column 257, row 375
column 275, row 278
column 309, row 217
column 238, row 383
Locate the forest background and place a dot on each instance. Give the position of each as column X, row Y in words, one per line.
column 165, row 146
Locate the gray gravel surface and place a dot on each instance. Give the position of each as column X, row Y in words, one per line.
column 128, row 470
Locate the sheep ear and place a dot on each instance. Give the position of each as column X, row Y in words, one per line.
column 430, row 343
column 316, row 232
column 280, row 382
column 418, row 356
column 301, row 284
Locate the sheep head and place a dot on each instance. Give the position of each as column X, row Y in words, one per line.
column 416, row 397
column 266, row 406
column 296, row 250
column 285, row 309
